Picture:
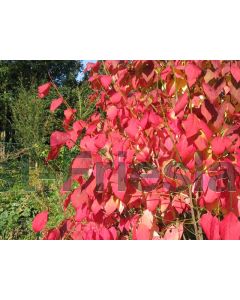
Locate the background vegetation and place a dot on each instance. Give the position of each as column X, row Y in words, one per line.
column 27, row 185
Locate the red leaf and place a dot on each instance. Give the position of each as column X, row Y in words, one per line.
column 106, row 81
column 192, row 72
column 105, row 234
column 69, row 116
column 205, row 129
column 57, row 140
column 201, row 143
column 210, row 226
column 185, row 149
column 174, row 232
column 40, row 221
column 230, row 227
column 143, row 232
column 81, row 165
column 180, row 204
column 181, row 103
column 113, row 232
column 208, row 115
column 96, row 207
column 191, row 125
column 79, row 197
column 133, row 128
column 235, row 71
column 55, row 104
column 219, row 144
column 153, row 200
column 100, row 141
column 211, row 92
column 44, row 89
column 54, row 234
column 81, row 213
column 116, row 98
column 112, row 112
column 111, row 205
column 154, row 118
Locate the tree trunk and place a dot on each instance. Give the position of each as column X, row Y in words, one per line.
column 2, row 144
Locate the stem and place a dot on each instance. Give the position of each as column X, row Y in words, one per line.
column 193, row 213
column 57, row 90
column 80, row 103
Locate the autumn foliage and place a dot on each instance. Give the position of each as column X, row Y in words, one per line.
column 159, row 158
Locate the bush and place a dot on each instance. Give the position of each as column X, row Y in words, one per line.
column 31, row 122
column 160, row 157
column 19, row 206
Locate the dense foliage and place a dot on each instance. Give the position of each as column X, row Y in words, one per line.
column 160, row 157
column 17, row 75
column 27, row 184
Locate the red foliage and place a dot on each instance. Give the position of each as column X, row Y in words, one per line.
column 44, row 89
column 40, row 221
column 55, row 104
column 165, row 158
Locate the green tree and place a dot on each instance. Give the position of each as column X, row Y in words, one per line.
column 17, row 74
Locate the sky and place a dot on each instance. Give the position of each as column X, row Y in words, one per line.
column 80, row 74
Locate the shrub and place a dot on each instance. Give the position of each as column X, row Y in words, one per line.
column 31, row 123
column 160, row 157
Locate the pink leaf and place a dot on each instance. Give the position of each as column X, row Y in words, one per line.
column 116, row 98
column 40, row 221
column 79, row 197
column 153, row 200
column 154, row 118
column 54, row 234
column 55, row 104
column 230, row 227
column 96, row 207
column 143, row 232
column 235, row 71
column 44, row 89
column 201, row 143
column 192, row 72
column 81, row 165
column 185, row 149
column 57, row 140
column 210, row 226
column 106, row 81
column 211, row 92
column 111, row 205
column 181, row 103
column 133, row 128
column 69, row 116
column 113, row 232
column 174, row 232
column 191, row 125
column 218, row 146
column 100, row 141
column 112, row 112
column 105, row 234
